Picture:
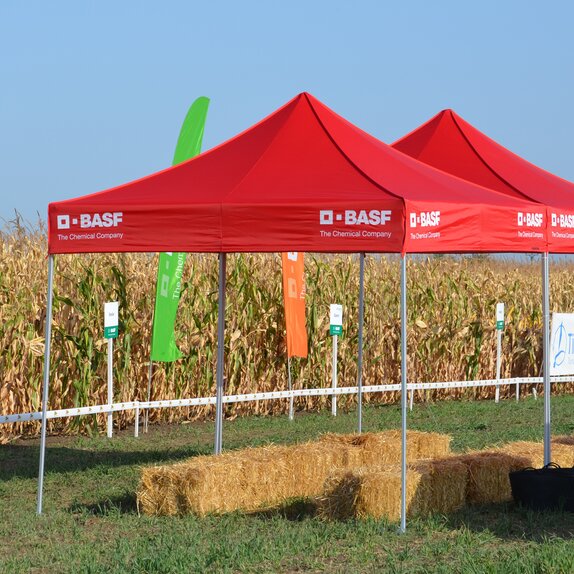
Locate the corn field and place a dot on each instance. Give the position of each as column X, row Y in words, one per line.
column 451, row 315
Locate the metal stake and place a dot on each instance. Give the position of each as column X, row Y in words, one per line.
column 360, row 342
column 334, row 377
column 110, row 385
column 150, row 375
column 498, row 361
column 46, row 380
column 137, row 423
column 290, row 388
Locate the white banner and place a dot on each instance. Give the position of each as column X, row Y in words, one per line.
column 562, row 344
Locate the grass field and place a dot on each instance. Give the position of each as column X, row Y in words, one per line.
column 91, row 522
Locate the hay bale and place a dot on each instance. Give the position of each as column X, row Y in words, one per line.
column 312, row 462
column 366, row 492
column 209, row 484
column 156, row 493
column 246, row 479
column 562, row 454
column 442, row 488
column 432, row 486
column 375, row 449
column 488, row 480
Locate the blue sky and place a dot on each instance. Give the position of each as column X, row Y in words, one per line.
column 93, row 94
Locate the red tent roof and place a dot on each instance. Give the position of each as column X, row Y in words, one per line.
column 303, row 179
column 451, row 144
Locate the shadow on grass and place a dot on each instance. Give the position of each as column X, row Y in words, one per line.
column 125, row 504
column 21, row 461
column 513, row 522
column 294, row 510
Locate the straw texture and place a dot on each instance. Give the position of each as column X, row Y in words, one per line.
column 432, row 486
column 253, row 478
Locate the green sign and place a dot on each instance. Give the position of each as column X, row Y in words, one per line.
column 111, row 332
column 170, row 268
column 500, row 325
column 335, row 330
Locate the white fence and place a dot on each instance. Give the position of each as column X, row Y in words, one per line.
column 138, row 406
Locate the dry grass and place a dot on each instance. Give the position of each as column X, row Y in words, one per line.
column 451, row 336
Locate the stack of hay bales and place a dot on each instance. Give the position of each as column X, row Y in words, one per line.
column 351, row 476
column 442, row 485
column 252, row 478
column 432, row 486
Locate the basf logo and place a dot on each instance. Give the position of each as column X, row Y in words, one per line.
column 353, row 217
column 424, row 219
column 564, row 221
column 90, row 220
column 370, row 220
column 86, row 225
column 530, row 219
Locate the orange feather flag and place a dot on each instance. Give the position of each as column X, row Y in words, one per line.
column 294, row 301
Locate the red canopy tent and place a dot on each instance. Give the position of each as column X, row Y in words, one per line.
column 303, row 179
column 451, row 144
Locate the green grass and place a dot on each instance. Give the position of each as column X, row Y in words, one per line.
column 90, row 522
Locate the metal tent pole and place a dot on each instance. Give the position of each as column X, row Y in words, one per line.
column 403, row 393
column 220, row 345
column 46, row 379
column 546, row 355
column 360, row 354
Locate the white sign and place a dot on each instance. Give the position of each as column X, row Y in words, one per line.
column 336, row 315
column 111, row 316
column 562, row 344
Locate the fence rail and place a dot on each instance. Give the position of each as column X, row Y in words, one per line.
column 203, row 401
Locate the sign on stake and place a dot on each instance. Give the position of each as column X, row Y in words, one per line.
column 499, row 329
column 335, row 329
column 111, row 316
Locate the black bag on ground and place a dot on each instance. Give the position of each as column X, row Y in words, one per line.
column 548, row 488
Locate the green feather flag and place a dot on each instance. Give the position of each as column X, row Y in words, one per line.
column 170, row 268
